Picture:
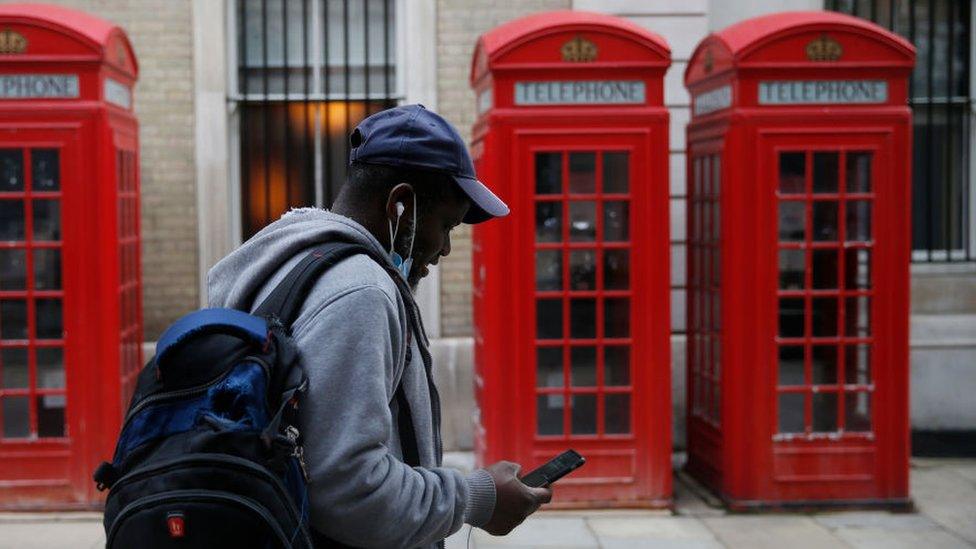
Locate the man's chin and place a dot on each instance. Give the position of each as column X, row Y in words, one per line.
column 415, row 277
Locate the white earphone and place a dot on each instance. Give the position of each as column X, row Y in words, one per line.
column 399, row 208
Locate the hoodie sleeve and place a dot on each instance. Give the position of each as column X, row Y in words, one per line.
column 361, row 493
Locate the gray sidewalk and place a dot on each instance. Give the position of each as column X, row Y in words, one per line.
column 944, row 492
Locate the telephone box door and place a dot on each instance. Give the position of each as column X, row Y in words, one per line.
column 591, row 361
column 43, row 409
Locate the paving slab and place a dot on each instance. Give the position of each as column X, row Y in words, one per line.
column 875, row 519
column 48, row 535
column 771, row 532
column 541, row 531
column 652, row 532
column 879, row 538
column 947, row 497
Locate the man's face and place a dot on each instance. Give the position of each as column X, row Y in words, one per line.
column 435, row 221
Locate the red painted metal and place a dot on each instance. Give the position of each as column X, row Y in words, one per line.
column 572, row 319
column 798, row 225
column 70, row 296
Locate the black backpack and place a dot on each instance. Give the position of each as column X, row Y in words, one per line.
column 209, row 454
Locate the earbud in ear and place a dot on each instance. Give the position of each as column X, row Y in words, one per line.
column 399, row 208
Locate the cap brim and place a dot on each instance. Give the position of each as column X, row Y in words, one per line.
column 484, row 204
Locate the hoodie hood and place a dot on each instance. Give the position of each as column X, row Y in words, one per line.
column 237, row 278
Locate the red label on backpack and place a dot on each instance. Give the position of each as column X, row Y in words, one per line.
column 175, row 524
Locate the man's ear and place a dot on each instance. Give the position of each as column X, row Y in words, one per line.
column 401, row 194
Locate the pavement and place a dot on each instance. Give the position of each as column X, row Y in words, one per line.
column 944, row 491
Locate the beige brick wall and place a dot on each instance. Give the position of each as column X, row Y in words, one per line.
column 459, row 24
column 161, row 33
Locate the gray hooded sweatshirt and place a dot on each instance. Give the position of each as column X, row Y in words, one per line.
column 352, row 333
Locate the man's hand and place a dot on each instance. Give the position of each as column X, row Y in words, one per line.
column 514, row 501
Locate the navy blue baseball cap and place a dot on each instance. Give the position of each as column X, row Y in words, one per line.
column 414, row 137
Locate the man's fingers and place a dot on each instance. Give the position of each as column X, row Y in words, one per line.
column 542, row 495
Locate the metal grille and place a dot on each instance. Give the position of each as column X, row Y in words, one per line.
column 307, row 72
column 940, row 97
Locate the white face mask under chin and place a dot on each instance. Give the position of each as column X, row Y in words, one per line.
column 403, row 265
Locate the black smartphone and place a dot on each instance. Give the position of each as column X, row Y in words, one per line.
column 558, row 467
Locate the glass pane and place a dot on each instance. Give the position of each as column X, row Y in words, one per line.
column 616, row 317
column 824, row 365
column 859, row 221
column 825, row 172
column 791, row 365
column 50, row 368
column 616, row 365
column 582, row 366
column 616, row 221
column 45, row 170
column 582, row 270
column 582, row 318
column 857, row 365
column 47, row 269
column 50, row 416
column 47, row 220
column 11, row 170
column 549, row 414
column 825, row 269
column 792, row 221
column 549, row 318
column 616, row 414
column 16, row 417
column 48, row 319
column 791, row 412
column 13, row 368
column 858, row 172
column 857, row 412
column 13, row 319
column 584, row 414
column 825, row 220
column 824, row 412
column 824, row 316
column 548, row 270
column 716, row 178
column 13, row 269
column 582, row 221
column 857, row 269
column 616, row 172
column 11, row 220
column 792, row 173
column 616, row 269
column 549, row 367
column 857, row 319
column 548, row 173
column 791, row 319
column 582, row 173
column 791, row 269
column 548, row 221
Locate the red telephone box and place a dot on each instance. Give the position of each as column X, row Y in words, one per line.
column 798, row 200
column 70, row 317
column 571, row 291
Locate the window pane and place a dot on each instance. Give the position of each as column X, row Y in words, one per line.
column 824, row 365
column 791, row 319
column 824, row 412
column 13, row 319
column 616, row 172
column 548, row 222
column 857, row 412
column 825, row 220
column 582, row 221
column 13, row 269
column 616, row 317
column 50, row 416
column 582, row 173
column 857, row 318
column 47, row 269
column 859, row 221
column 16, row 417
column 48, row 319
column 791, row 269
column 616, row 269
column 582, row 270
column 857, row 269
column 825, row 269
column 616, row 414
column 11, row 170
column 47, row 220
column 45, row 170
column 548, row 173
column 549, row 318
column 792, row 173
column 50, row 368
column 616, row 221
column 13, row 368
column 616, row 365
column 824, row 316
column 582, row 366
column 549, row 270
column 792, row 221
column 549, row 414
column 582, row 318
column 825, row 172
column 858, row 172
column 549, row 367
column 11, row 220
column 791, row 412
column 584, row 414
column 857, row 365
column 791, row 365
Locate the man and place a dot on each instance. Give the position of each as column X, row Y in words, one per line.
column 411, row 181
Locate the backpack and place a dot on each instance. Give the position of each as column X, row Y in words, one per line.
column 209, row 454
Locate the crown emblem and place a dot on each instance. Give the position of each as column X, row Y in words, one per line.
column 824, row 48
column 579, row 50
column 12, row 42
column 709, row 61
